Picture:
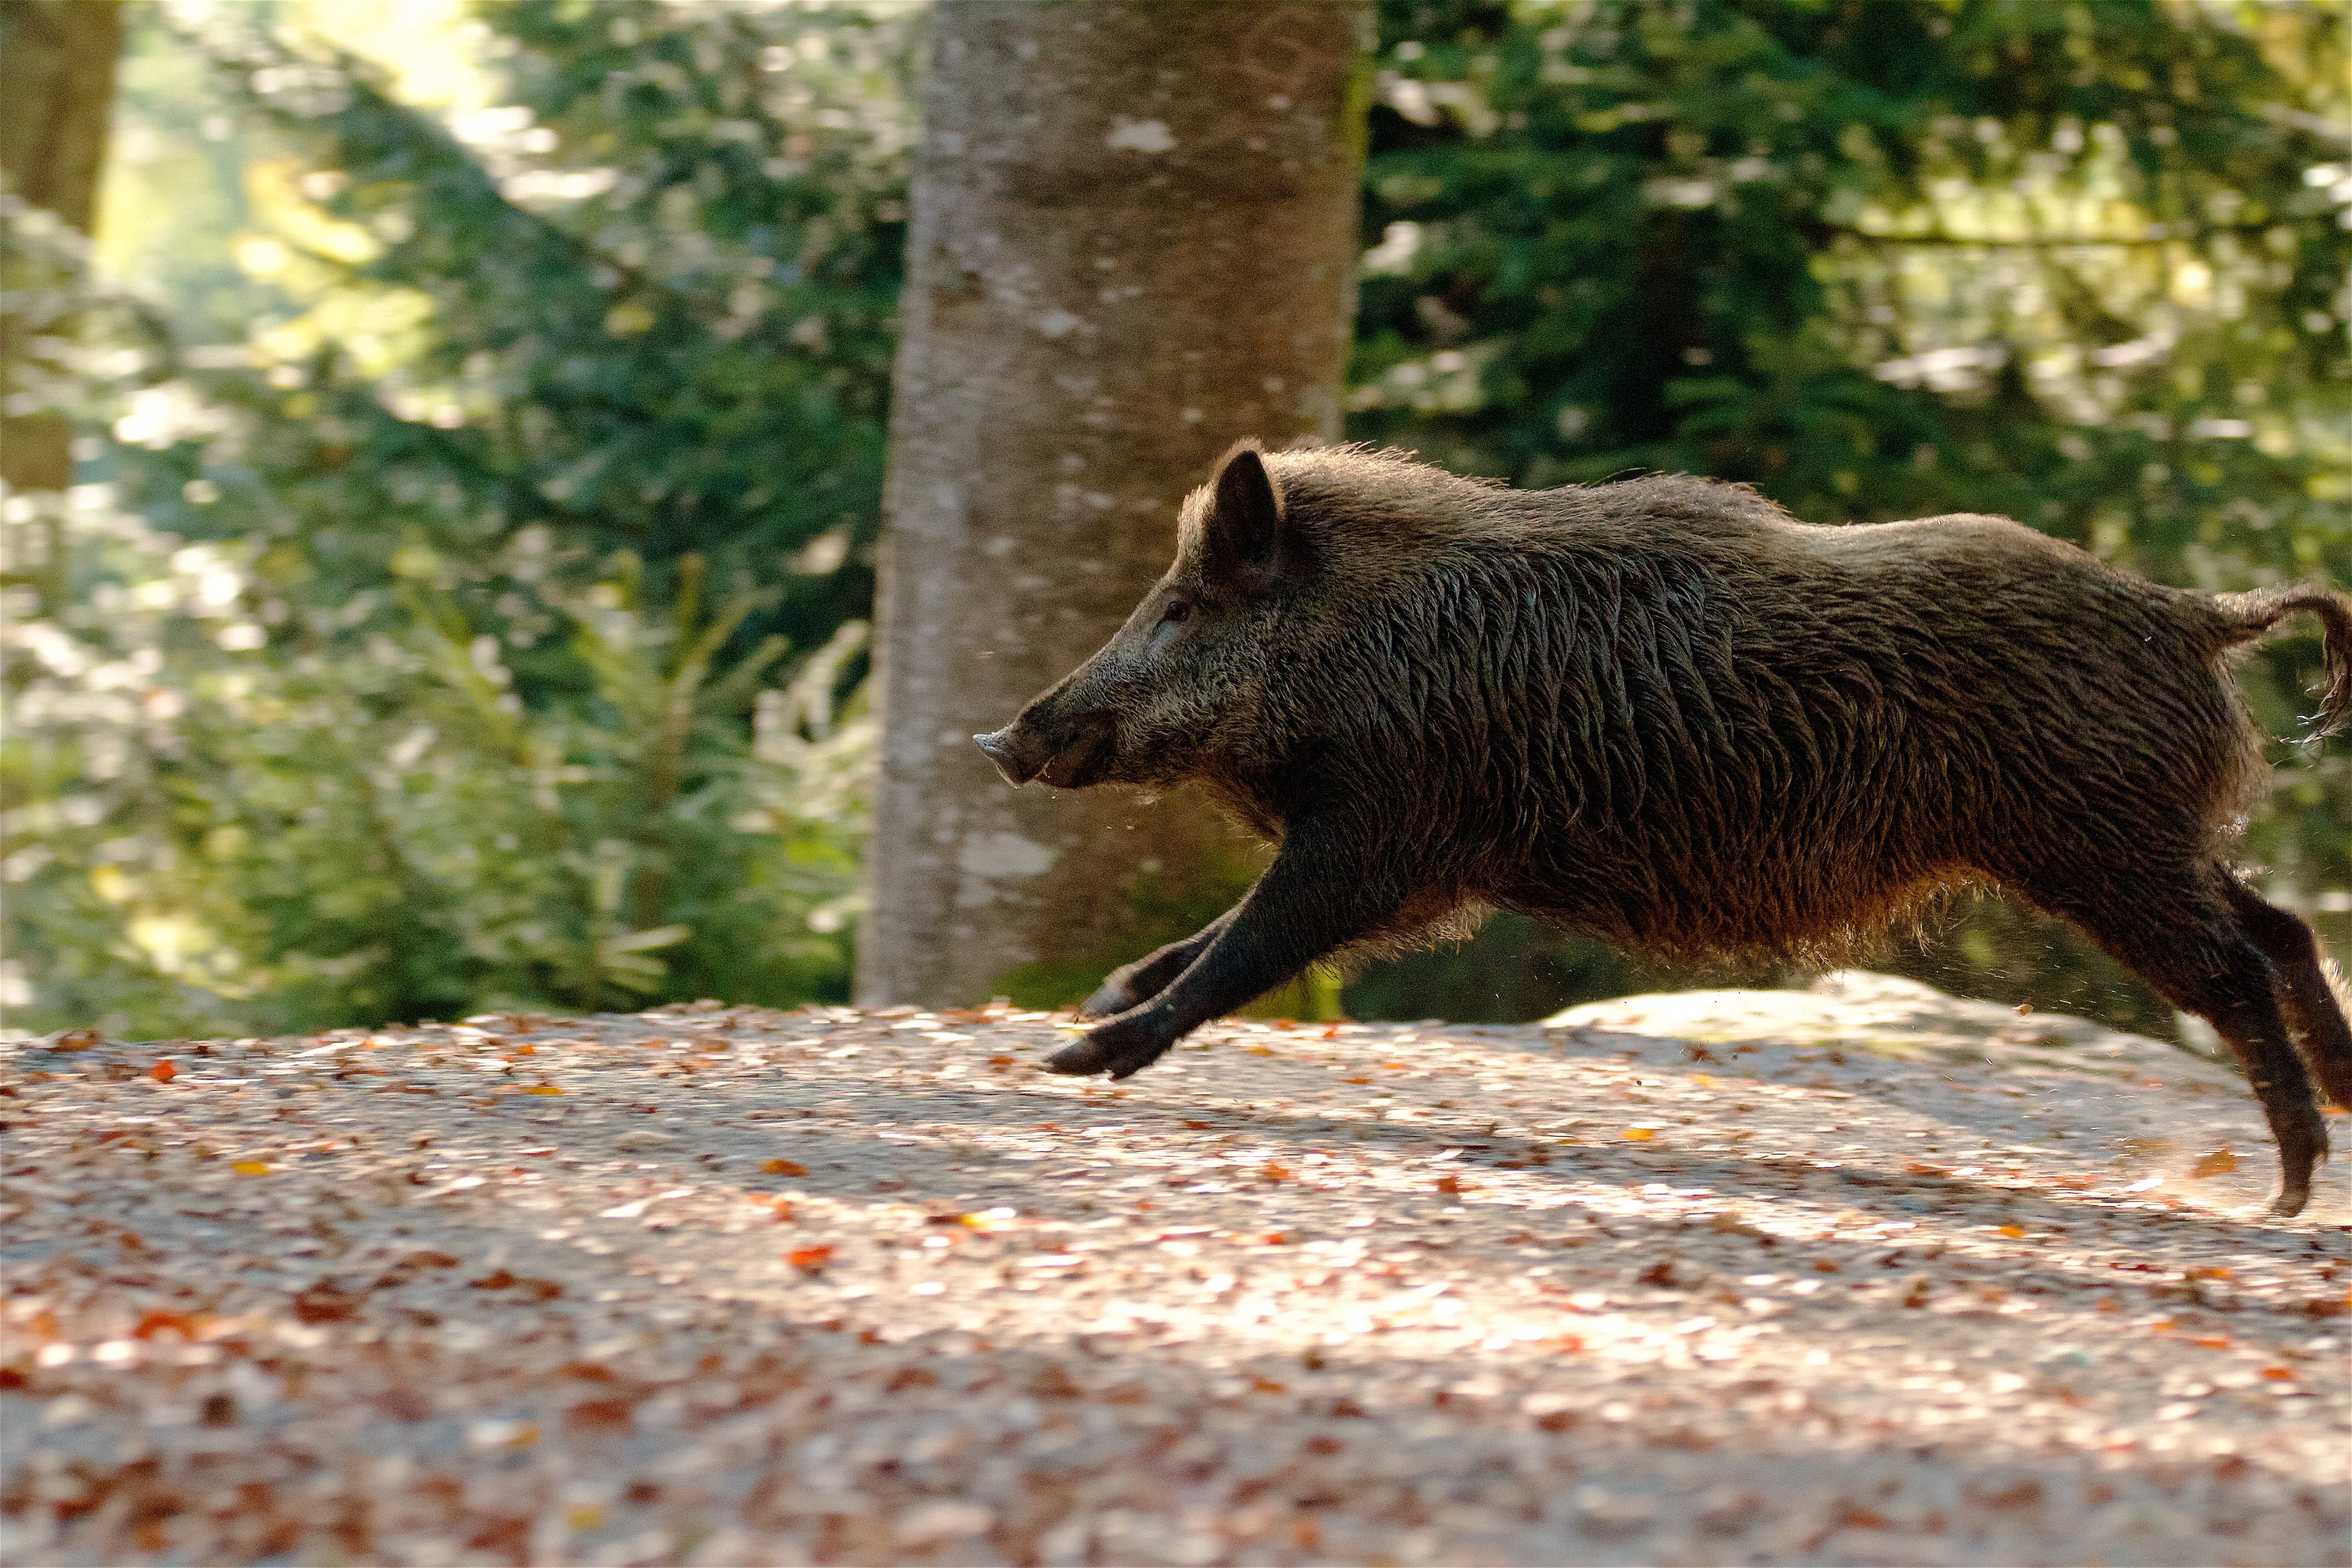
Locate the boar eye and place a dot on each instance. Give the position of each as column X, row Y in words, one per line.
column 1177, row 610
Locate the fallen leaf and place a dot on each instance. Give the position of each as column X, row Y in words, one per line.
column 2219, row 1162
column 2012, row 1230
column 784, row 1168
column 809, row 1259
column 542, row 1089
column 1449, row 1184
column 251, row 1167
column 163, row 1071
column 1053, row 1383
column 154, row 1323
column 1260, row 1051
column 1641, row 1134
column 324, row 1302
column 599, row 1415
column 75, row 1039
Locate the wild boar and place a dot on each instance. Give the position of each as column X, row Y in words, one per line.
column 1666, row 713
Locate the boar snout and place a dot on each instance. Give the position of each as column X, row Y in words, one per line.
column 1068, row 757
column 1018, row 764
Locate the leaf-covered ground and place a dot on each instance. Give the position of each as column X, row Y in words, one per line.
column 738, row 1286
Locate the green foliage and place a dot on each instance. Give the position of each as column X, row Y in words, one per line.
column 379, row 681
column 647, row 308
column 207, row 835
column 2081, row 265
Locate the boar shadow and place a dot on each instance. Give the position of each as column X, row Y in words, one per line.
column 1666, row 713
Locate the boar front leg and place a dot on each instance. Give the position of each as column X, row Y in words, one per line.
column 1132, row 983
column 1317, row 897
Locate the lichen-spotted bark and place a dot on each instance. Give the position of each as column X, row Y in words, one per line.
column 1133, row 234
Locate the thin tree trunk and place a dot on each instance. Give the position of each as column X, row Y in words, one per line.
column 1133, row 240
column 57, row 96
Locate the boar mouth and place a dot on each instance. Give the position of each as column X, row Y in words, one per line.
column 1078, row 765
column 1017, row 756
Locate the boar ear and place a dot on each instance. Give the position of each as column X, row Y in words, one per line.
column 1245, row 541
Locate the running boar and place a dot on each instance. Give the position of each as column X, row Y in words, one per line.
column 1665, row 713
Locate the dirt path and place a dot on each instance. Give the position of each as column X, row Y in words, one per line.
column 752, row 1287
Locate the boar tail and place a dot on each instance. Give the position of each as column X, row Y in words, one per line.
column 2248, row 615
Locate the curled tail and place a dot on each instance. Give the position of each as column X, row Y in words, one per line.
column 2248, row 615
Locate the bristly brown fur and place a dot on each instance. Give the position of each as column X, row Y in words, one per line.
column 1666, row 713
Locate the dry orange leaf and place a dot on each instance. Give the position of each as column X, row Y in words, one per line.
column 809, row 1259
column 1355, row 1080
column 154, row 1323
column 163, row 1071
column 1260, row 1051
column 2012, row 1230
column 2279, row 1373
column 251, row 1167
column 2221, row 1161
column 599, row 1415
column 1000, row 1061
column 542, row 1089
column 1275, row 1171
column 1449, row 1184
column 1641, row 1134
column 784, row 1168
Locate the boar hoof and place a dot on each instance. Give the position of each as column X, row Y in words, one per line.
column 1077, row 1059
column 2290, row 1201
column 1115, row 997
column 1107, row 1049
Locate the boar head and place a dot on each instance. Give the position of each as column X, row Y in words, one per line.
column 1179, row 691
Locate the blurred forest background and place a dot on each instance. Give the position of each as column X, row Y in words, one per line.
column 479, row 418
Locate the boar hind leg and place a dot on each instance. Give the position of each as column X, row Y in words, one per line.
column 1313, row 901
column 1130, row 984
column 2184, row 937
column 2304, row 996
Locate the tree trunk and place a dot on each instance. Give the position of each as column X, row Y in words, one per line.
column 1133, row 242
column 57, row 94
